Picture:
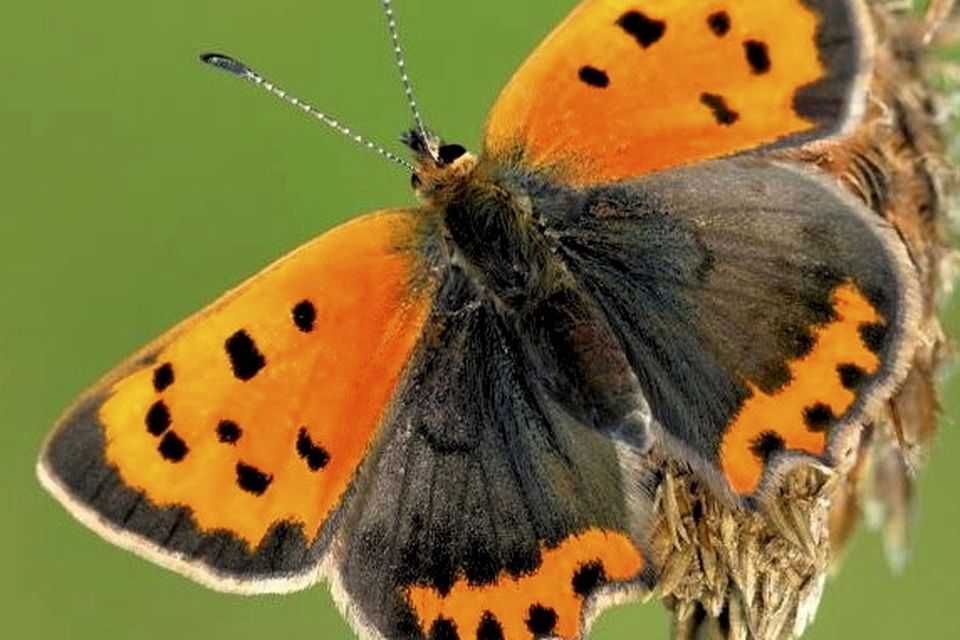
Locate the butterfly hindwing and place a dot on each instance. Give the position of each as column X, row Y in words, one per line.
column 622, row 88
column 223, row 449
column 488, row 511
column 763, row 309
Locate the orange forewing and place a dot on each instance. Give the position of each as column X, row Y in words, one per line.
column 305, row 418
column 509, row 600
column 621, row 88
column 814, row 383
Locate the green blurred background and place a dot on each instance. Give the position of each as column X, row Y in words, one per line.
column 136, row 185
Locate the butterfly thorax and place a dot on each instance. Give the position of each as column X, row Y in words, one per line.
column 491, row 225
column 498, row 238
column 501, row 245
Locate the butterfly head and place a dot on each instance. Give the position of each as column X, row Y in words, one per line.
column 438, row 167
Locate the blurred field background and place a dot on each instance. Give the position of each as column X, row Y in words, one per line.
column 137, row 185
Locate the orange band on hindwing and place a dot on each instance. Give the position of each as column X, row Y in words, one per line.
column 548, row 602
column 822, row 387
column 262, row 412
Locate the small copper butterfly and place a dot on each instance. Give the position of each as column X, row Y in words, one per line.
column 443, row 409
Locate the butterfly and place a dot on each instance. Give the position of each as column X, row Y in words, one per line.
column 450, row 411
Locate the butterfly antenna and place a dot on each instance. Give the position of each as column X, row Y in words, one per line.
column 237, row 68
column 404, row 77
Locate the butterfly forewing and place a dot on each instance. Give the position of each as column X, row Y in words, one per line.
column 622, row 88
column 225, row 447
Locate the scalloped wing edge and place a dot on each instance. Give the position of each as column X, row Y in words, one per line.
column 846, row 436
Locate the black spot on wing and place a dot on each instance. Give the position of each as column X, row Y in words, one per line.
column 873, row 335
column 594, row 77
column 228, row 431
column 851, row 375
column 162, row 377
column 245, row 358
column 758, row 56
column 646, row 31
column 304, row 316
column 252, row 480
column 158, row 418
column 767, row 444
column 588, row 577
column 444, row 629
column 818, row 417
column 172, row 447
column 489, row 628
column 316, row 456
column 719, row 23
column 75, row 454
column 722, row 112
column 541, row 620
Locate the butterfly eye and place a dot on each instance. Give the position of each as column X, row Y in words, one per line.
column 450, row 152
column 415, row 181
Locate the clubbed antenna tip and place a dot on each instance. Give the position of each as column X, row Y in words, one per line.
column 237, row 68
column 226, row 63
